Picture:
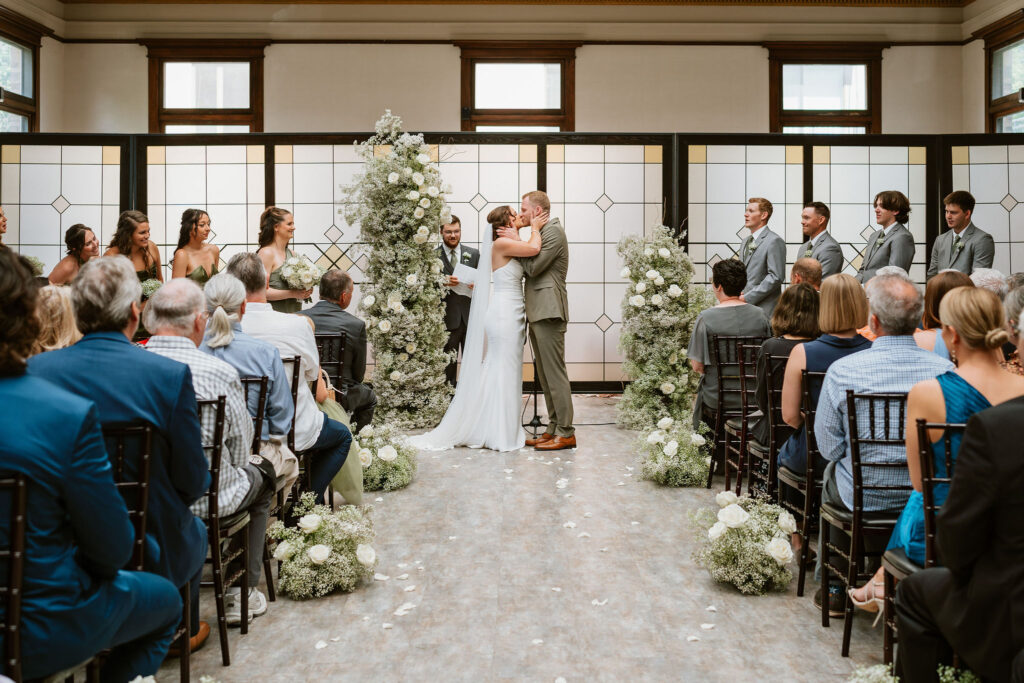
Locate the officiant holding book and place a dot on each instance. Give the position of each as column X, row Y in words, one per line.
column 456, row 316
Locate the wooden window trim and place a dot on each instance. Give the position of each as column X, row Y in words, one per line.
column 996, row 35
column 29, row 34
column 163, row 51
column 780, row 53
column 563, row 53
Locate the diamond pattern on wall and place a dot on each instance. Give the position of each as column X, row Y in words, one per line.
column 867, row 232
column 604, row 203
column 62, row 204
column 604, row 322
column 333, row 233
column 1008, row 202
column 478, row 202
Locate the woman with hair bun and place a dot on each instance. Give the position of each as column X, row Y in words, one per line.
column 277, row 227
column 974, row 330
column 82, row 245
column 194, row 258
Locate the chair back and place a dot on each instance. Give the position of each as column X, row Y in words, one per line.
column 130, row 449
column 811, row 383
column 331, row 349
column 727, row 359
column 258, row 386
column 766, row 473
column 12, row 554
column 295, row 363
column 886, row 416
column 936, row 476
column 211, row 417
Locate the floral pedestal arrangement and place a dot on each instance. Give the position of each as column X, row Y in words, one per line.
column 388, row 461
column 672, row 455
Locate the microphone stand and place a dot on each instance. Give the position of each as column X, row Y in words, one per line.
column 535, row 422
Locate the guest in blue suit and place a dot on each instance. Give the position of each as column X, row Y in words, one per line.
column 75, row 600
column 129, row 384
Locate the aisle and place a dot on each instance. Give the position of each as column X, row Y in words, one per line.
column 505, row 591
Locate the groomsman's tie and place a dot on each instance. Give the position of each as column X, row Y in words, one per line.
column 958, row 244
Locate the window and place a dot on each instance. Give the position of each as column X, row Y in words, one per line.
column 20, row 39
column 206, row 86
column 518, row 87
column 825, row 88
column 1004, row 63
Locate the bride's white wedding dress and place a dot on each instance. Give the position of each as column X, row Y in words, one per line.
column 485, row 412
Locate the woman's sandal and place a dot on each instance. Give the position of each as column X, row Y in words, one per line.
column 873, row 603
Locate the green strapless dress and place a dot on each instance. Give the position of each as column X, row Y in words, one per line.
column 143, row 275
column 349, row 479
column 199, row 275
column 277, row 282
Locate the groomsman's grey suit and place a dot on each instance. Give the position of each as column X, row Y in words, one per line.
column 456, row 306
column 896, row 249
column 764, row 255
column 975, row 249
column 826, row 251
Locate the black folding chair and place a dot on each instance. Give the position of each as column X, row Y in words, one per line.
column 331, row 349
column 762, row 476
column 257, row 407
column 12, row 553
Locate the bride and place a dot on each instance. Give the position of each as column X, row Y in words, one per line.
column 485, row 410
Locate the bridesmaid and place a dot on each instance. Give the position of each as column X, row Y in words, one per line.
column 3, row 224
column 82, row 245
column 194, row 258
column 131, row 239
column 277, row 227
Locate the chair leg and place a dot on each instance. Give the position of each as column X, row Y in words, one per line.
column 244, row 590
column 888, row 632
column 185, row 661
column 826, row 573
column 805, row 552
column 852, row 572
column 271, row 593
column 218, row 594
column 726, row 440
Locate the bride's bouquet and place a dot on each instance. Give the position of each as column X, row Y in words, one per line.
column 327, row 551
column 672, row 455
column 388, row 461
column 299, row 272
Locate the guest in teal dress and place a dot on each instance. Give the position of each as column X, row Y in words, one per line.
column 929, row 337
column 277, row 228
column 973, row 329
column 194, row 258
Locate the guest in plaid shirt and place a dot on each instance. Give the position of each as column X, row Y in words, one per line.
column 176, row 318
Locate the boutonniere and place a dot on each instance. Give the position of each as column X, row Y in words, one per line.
column 751, row 247
column 880, row 240
column 959, row 244
column 810, row 250
column 465, row 256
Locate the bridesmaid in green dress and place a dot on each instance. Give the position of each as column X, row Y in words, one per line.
column 83, row 245
column 277, row 227
column 131, row 239
column 194, row 258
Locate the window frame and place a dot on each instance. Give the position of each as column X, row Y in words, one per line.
column 21, row 30
column 161, row 52
column 999, row 34
column 518, row 52
column 868, row 54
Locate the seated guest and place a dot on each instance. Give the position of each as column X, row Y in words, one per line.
column 1014, row 304
column 794, row 321
column 330, row 317
column 82, row 245
column 327, row 439
column 992, row 280
column 76, row 602
column 893, row 364
column 972, row 605
column 973, row 324
column 176, row 318
column 806, row 270
column 885, row 270
column 1015, row 280
column 929, row 337
column 129, row 384
column 730, row 316
column 57, row 328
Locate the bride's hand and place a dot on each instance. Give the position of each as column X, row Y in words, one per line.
column 539, row 221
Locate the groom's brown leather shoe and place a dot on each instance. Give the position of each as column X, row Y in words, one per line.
column 540, row 439
column 557, row 443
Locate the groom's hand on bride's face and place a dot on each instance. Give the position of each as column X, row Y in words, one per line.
column 510, row 233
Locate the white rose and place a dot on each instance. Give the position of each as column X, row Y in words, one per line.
column 640, row 287
column 423, row 230
column 667, row 388
column 419, row 213
column 366, row 555
column 411, row 347
column 369, row 301
column 671, row 448
column 402, row 357
column 411, row 279
column 392, row 178
column 435, row 267
column 419, row 239
column 413, row 195
column 423, row 158
column 283, row 551
column 780, row 550
column 435, row 237
column 664, row 253
column 726, row 498
column 674, row 291
column 697, row 440
column 425, row 203
column 367, row 432
column 657, row 300
column 384, row 326
column 673, row 359
column 625, row 272
column 407, row 171
column 652, row 274
column 648, row 252
column 417, row 178
column 319, row 553
column 433, row 191
column 395, row 375
column 716, row 530
column 309, row 523
column 787, row 522
column 659, row 281
column 665, row 423
column 656, row 437
column 637, row 300
column 733, row 516
column 387, row 453
column 365, row 457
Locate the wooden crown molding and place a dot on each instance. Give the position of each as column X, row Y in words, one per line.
column 511, row 49
column 1006, row 30
column 825, row 52
column 22, row 29
column 636, row 3
column 170, row 48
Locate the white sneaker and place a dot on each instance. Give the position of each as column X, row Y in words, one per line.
column 233, row 605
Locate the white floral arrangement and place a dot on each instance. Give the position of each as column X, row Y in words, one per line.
column 398, row 202
column 299, row 272
column 658, row 313
column 327, row 551
column 748, row 543
column 37, row 265
column 673, row 454
column 388, row 461
column 882, row 673
column 149, row 287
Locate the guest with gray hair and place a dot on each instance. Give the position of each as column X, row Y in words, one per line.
column 129, row 384
column 992, row 280
column 893, row 270
column 893, row 364
column 176, row 317
column 1015, row 280
column 1014, row 304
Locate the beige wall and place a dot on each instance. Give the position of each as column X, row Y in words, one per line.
column 51, row 85
column 921, row 89
column 973, row 59
column 105, row 89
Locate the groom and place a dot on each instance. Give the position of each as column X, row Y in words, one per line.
column 547, row 310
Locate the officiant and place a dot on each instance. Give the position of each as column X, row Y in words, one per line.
column 456, row 316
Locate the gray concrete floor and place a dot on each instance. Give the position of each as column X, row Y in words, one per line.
column 504, row 591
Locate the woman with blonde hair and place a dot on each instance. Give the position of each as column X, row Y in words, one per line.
column 57, row 328
column 974, row 330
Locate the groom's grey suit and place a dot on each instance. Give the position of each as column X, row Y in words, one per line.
column 547, row 310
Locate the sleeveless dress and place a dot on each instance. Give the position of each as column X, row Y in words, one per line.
column 491, row 419
column 962, row 400
column 940, row 347
column 277, row 282
column 199, row 275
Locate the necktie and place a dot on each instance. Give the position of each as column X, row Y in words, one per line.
column 958, row 244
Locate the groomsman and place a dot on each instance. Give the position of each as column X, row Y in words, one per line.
column 820, row 245
column 964, row 247
column 892, row 245
column 456, row 315
column 764, row 255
